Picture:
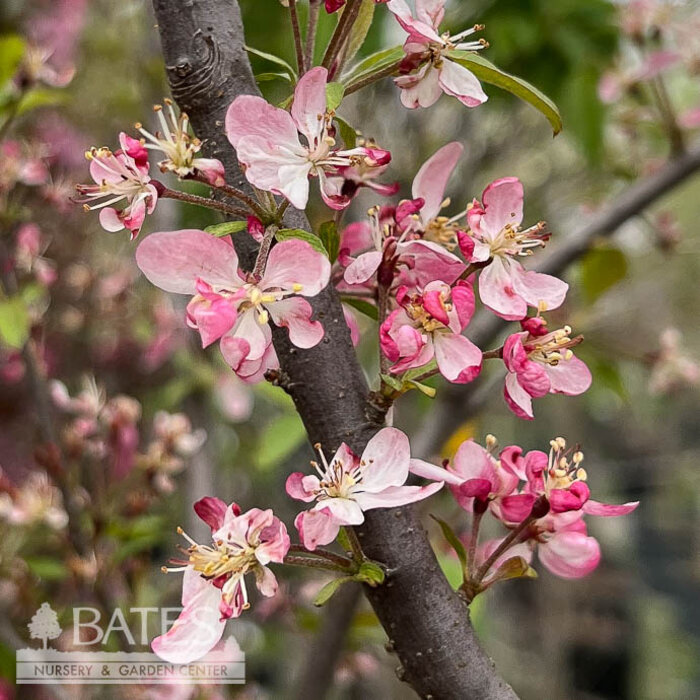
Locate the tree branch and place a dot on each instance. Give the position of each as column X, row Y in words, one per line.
column 455, row 403
column 427, row 622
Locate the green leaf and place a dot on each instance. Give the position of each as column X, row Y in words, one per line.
column 488, row 73
column 273, row 59
column 429, row 391
column 347, row 132
column 334, row 95
column 453, row 541
column 226, row 228
column 359, row 31
column 11, row 53
column 47, row 568
column 14, row 322
column 363, row 306
column 329, row 590
column 278, row 440
column 373, row 64
column 286, row 234
column 393, row 382
column 328, row 233
column 41, row 98
column 601, row 269
column 370, row 573
column 268, row 77
column 515, row 567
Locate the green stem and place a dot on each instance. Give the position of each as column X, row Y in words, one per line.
column 294, row 17
column 354, row 544
column 167, row 193
column 342, row 30
column 263, row 252
column 343, row 562
column 474, row 539
column 509, row 540
column 313, row 563
column 373, row 78
column 311, row 27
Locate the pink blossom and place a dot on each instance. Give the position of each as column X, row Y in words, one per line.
column 20, row 164
column 119, row 176
column 180, row 148
column 428, row 325
column 214, row 588
column 266, row 140
column 496, row 235
column 541, row 362
column 673, row 369
column 388, row 247
column 427, row 69
column 235, row 308
column 350, row 485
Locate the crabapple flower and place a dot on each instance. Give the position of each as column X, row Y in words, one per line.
column 389, row 248
column 504, row 286
column 213, row 587
column 35, row 501
column 267, row 143
column 233, row 307
column 673, row 368
column 427, row 326
column 20, row 164
column 180, row 148
column 350, row 485
column 540, row 362
column 122, row 175
column 427, row 69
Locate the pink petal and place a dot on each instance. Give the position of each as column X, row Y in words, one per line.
column 403, row 14
column 458, row 359
column 433, row 472
column 266, row 582
column 421, row 89
column 316, row 527
column 309, row 106
column 175, row 260
column 497, row 292
column 385, row 460
column 515, row 508
column 361, row 269
column 607, row 510
column 518, row 400
column 475, row 488
column 396, row 496
column 503, row 205
column 234, row 350
column 110, row 221
column 198, row 628
column 352, row 324
column 430, row 262
column 345, row 511
column 537, row 288
column 250, row 115
column 431, row 180
column 461, row 83
column 571, row 377
column 430, row 12
column 565, row 500
column 294, row 314
column 570, row 554
column 295, row 262
column 303, row 487
column 211, row 510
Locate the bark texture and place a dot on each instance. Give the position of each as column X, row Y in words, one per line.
column 427, row 623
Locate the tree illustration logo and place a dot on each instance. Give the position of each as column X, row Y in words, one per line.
column 44, row 624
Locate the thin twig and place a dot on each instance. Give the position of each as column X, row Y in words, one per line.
column 264, row 251
column 342, row 30
column 294, row 18
column 167, row 193
column 311, row 27
column 389, row 70
column 507, row 542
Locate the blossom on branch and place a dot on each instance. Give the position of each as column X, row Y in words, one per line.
column 213, row 587
column 267, row 143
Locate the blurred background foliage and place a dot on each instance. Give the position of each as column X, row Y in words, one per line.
column 629, row 631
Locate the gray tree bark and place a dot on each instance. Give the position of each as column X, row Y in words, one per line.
column 426, row 622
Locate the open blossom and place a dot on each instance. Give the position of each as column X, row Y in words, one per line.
column 673, row 368
column 214, row 587
column 35, row 501
column 180, row 148
column 388, row 247
column 427, row 69
column 428, row 325
column 267, row 142
column 496, row 235
column 121, row 176
column 541, row 362
column 349, row 485
column 233, row 307
column 20, row 164
column 560, row 535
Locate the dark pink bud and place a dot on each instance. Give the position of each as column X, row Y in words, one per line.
column 535, row 326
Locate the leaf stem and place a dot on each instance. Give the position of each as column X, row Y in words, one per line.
column 507, row 542
column 342, row 30
column 167, row 193
column 294, row 18
column 263, row 252
column 311, row 27
column 373, row 77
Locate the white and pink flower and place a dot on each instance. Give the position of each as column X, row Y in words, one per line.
column 233, row 307
column 541, row 362
column 496, row 236
column 120, row 176
column 427, row 69
column 428, row 325
column 267, row 143
column 349, row 485
column 180, row 147
column 213, row 587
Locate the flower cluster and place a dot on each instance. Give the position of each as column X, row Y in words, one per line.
column 542, row 498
